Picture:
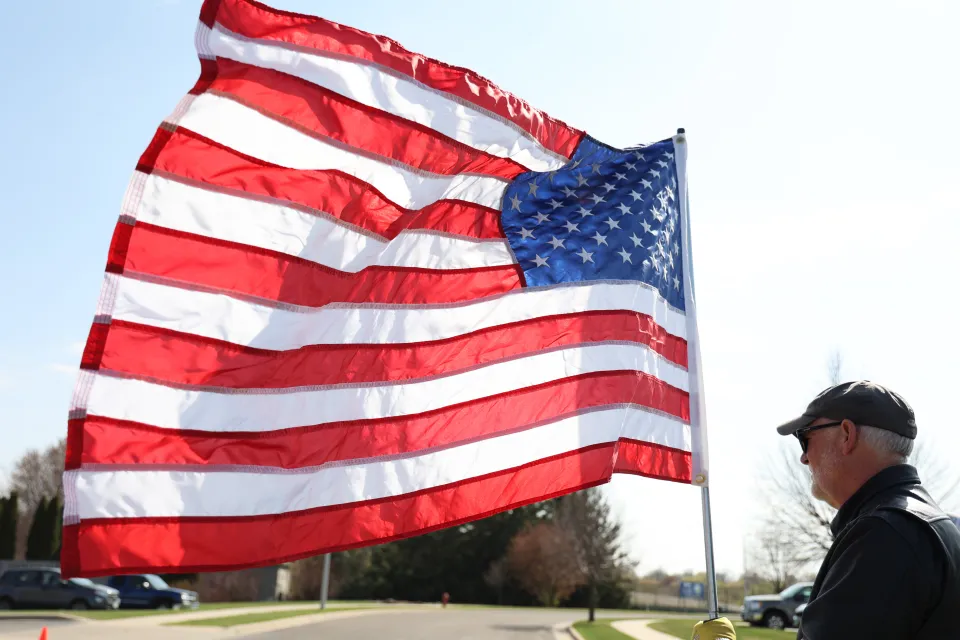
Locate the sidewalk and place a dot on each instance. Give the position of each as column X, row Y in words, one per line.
column 639, row 630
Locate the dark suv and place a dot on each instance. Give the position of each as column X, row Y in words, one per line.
column 149, row 591
column 45, row 588
column 776, row 611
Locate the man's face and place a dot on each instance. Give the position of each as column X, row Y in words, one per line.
column 823, row 458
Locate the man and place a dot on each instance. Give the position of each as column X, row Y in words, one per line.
column 893, row 571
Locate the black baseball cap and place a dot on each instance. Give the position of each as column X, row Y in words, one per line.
column 862, row 402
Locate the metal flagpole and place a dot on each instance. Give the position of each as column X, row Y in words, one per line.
column 325, row 584
column 697, row 406
column 712, row 605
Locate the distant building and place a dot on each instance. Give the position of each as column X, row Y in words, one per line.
column 273, row 583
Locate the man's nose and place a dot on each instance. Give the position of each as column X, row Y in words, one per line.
column 804, row 459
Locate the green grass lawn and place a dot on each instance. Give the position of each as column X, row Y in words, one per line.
column 249, row 618
column 599, row 630
column 683, row 627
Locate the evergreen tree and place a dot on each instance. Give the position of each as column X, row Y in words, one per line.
column 3, row 533
column 452, row 560
column 55, row 528
column 595, row 531
column 38, row 538
column 8, row 526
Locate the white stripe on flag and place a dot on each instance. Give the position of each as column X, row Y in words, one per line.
column 222, row 317
column 370, row 85
column 250, row 132
column 174, row 205
column 156, row 493
column 272, row 409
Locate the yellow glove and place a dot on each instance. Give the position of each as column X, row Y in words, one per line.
column 714, row 630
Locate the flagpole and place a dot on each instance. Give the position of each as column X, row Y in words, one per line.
column 697, row 405
column 712, row 605
column 325, row 583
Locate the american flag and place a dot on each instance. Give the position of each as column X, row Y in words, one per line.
column 356, row 294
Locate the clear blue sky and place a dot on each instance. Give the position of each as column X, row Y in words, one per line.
column 824, row 177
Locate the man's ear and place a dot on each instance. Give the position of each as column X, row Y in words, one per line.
column 851, row 437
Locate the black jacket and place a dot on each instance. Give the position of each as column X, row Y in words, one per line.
column 893, row 572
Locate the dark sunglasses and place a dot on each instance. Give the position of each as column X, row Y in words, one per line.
column 802, row 433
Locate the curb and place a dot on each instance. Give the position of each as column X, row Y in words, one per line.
column 573, row 632
column 53, row 615
column 255, row 628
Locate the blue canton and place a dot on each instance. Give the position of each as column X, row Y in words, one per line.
column 608, row 214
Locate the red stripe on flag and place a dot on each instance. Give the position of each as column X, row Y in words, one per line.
column 318, row 110
column 230, row 266
column 208, row 12
column 663, row 463
column 191, row 156
column 119, row 246
column 103, row 546
column 208, row 73
column 160, row 139
column 93, row 351
column 255, row 20
column 109, row 441
column 186, row 359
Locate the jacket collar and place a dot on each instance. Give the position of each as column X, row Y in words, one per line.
column 890, row 477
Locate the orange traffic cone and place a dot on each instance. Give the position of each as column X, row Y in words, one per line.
column 43, row 634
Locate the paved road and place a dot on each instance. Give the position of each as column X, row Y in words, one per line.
column 438, row 624
column 19, row 624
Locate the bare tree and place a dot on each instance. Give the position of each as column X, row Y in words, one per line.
column 496, row 576
column 595, row 535
column 939, row 477
column 38, row 475
column 774, row 556
column 541, row 559
column 792, row 507
column 835, row 368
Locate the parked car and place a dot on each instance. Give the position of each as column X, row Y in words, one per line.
column 798, row 614
column 776, row 611
column 149, row 591
column 46, row 588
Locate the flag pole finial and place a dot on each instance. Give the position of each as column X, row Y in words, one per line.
column 681, row 130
